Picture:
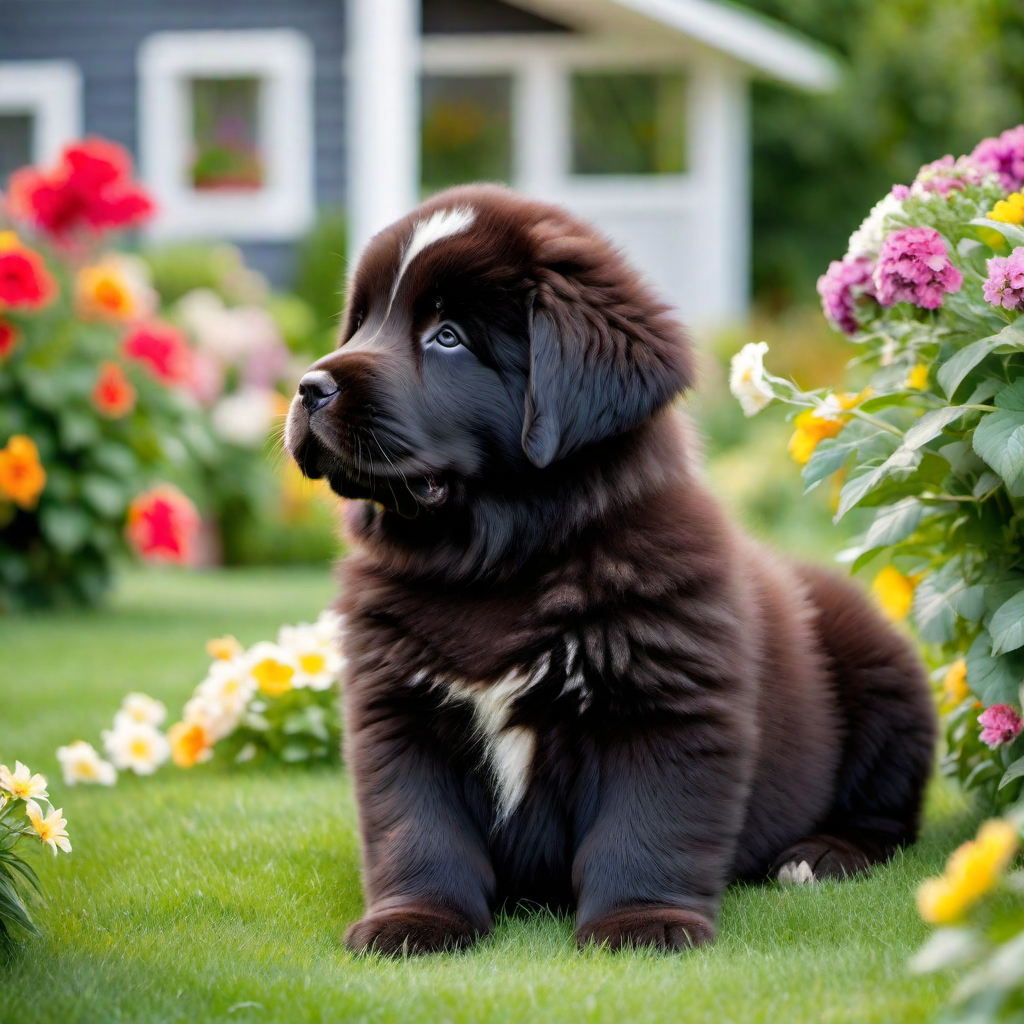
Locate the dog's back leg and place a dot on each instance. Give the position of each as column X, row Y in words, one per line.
column 889, row 728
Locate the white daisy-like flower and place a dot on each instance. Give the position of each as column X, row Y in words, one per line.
column 141, row 709
column 50, row 828
column 747, row 380
column 315, row 650
column 136, row 746
column 221, row 699
column 81, row 762
column 21, row 783
column 273, row 667
column 868, row 238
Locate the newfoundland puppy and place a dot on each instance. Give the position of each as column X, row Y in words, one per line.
column 571, row 681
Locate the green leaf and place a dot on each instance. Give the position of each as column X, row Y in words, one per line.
column 894, row 523
column 1012, row 397
column 1007, row 625
column 948, row 947
column 968, row 602
column 952, row 373
column 930, row 425
column 105, row 495
column 900, row 464
column 994, row 679
column 933, row 615
column 856, row 438
column 999, row 440
column 1015, row 771
column 1013, row 234
column 66, row 527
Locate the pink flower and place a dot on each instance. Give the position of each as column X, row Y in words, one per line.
column 947, row 175
column 163, row 525
column 1003, row 155
column 1005, row 284
column 914, row 266
column 841, row 287
column 1000, row 725
column 901, row 192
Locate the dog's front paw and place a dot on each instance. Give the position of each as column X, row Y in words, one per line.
column 818, row 858
column 410, row 930
column 661, row 927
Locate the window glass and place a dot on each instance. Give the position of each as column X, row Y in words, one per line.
column 628, row 123
column 16, row 131
column 225, row 134
column 466, row 130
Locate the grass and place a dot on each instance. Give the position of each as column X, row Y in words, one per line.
column 218, row 895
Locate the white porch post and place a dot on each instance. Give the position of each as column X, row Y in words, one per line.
column 383, row 110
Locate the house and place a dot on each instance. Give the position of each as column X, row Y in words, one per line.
column 246, row 116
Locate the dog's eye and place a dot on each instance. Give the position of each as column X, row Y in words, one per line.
column 447, row 337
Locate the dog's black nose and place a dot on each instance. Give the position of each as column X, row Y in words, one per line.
column 316, row 389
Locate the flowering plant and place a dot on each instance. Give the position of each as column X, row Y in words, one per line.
column 979, row 908
column 92, row 406
column 930, row 440
column 22, row 817
column 278, row 700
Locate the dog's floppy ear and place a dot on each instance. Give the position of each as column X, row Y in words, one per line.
column 603, row 357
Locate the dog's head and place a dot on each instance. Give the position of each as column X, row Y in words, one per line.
column 486, row 337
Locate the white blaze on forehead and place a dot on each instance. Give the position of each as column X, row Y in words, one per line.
column 439, row 225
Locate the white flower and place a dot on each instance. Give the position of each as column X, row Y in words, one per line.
column 136, row 746
column 142, row 710
column 315, row 649
column 50, row 829
column 868, row 238
column 747, row 379
column 221, row 699
column 231, row 334
column 243, row 418
column 81, row 762
column 21, row 783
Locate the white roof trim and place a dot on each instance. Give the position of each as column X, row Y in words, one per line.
column 746, row 36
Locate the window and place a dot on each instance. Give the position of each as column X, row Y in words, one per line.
column 226, row 133
column 628, row 123
column 40, row 112
column 466, row 130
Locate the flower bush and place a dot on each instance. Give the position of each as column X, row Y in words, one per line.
column 92, row 405
column 929, row 441
column 25, row 813
column 979, row 908
column 278, row 700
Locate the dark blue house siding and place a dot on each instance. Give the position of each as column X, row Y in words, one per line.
column 103, row 37
column 458, row 16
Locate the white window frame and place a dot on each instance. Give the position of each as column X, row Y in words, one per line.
column 282, row 59
column 50, row 91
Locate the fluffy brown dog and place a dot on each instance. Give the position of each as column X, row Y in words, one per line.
column 571, row 680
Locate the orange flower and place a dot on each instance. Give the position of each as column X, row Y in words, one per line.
column 189, row 744
column 114, row 394
column 9, row 338
column 102, row 292
column 224, row 648
column 814, row 425
column 163, row 525
column 25, row 283
column 22, row 477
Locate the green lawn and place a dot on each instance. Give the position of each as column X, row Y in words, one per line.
column 222, row 895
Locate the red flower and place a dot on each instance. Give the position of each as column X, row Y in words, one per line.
column 113, row 395
column 25, row 283
column 163, row 525
column 162, row 349
column 90, row 187
column 9, row 338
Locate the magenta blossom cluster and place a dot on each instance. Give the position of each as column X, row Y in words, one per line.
column 840, row 288
column 1000, row 725
column 947, row 175
column 914, row 266
column 1005, row 284
column 1003, row 155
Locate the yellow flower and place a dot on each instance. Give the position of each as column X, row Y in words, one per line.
column 189, row 744
column 22, row 477
column 1009, row 210
column 50, row 829
column 273, row 668
column 894, row 592
column 954, row 684
column 917, row 379
column 973, row 870
column 223, row 648
column 9, row 240
column 814, row 425
column 21, row 784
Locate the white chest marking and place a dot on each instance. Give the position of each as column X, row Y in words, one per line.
column 441, row 224
column 509, row 749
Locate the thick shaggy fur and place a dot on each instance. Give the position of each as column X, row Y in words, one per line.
column 571, row 680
